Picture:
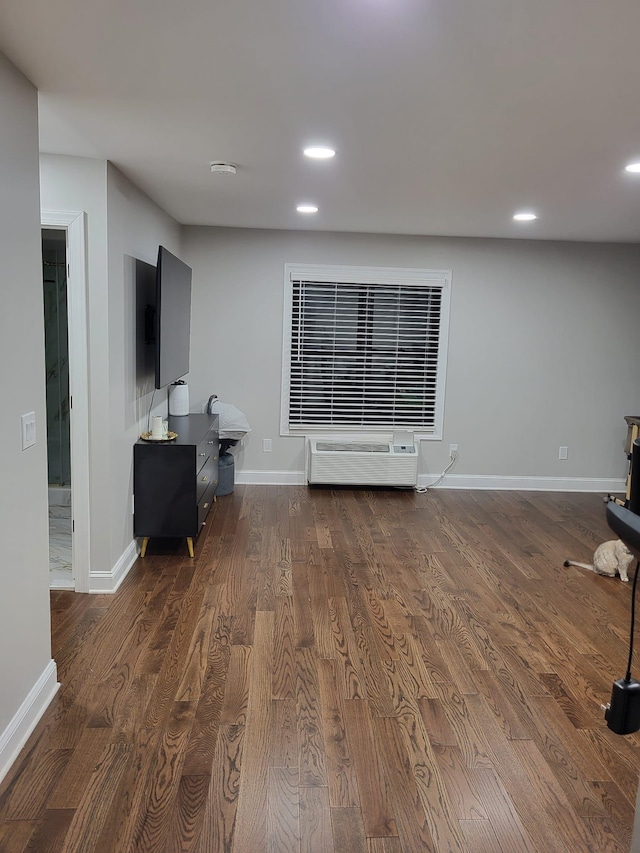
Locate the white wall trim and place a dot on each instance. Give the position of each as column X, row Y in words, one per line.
column 74, row 223
column 108, row 582
column 526, row 484
column 24, row 721
column 459, row 481
column 271, row 478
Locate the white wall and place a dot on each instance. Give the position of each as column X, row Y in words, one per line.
column 543, row 345
column 136, row 226
column 25, row 645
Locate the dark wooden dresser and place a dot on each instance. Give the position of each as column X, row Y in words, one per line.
column 174, row 482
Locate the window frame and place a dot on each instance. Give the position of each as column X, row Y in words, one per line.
column 366, row 276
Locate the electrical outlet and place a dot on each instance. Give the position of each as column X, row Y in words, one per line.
column 563, row 452
column 453, row 451
column 266, row 445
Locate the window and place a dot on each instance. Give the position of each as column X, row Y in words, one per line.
column 364, row 349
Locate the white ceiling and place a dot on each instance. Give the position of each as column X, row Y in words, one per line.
column 447, row 115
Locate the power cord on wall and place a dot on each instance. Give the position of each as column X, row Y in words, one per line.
column 150, row 409
column 633, row 621
column 453, row 458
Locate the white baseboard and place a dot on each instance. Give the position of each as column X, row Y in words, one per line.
column 110, row 581
column 459, row 481
column 14, row 737
column 271, row 478
column 526, row 484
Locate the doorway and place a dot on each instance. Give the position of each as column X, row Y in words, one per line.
column 69, row 459
column 56, row 337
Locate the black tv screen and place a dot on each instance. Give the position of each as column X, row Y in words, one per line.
column 173, row 318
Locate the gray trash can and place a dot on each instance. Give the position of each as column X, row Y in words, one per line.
column 226, row 471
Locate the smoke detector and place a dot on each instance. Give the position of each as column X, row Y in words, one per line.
column 223, row 168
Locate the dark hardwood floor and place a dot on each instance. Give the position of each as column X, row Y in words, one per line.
column 341, row 670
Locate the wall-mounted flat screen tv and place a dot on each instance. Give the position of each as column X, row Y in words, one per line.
column 172, row 318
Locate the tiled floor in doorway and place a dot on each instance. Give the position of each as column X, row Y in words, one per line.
column 60, row 572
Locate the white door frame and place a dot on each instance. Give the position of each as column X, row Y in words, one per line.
column 74, row 223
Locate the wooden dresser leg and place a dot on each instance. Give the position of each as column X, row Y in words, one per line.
column 190, row 545
column 145, row 542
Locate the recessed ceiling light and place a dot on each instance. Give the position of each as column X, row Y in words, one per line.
column 307, row 208
column 319, row 153
column 632, row 167
column 524, row 216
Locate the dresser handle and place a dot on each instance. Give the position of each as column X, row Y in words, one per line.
column 211, row 442
column 204, row 479
column 202, row 454
column 206, row 505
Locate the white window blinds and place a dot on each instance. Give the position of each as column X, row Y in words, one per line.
column 365, row 354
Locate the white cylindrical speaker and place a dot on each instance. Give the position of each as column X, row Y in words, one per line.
column 179, row 399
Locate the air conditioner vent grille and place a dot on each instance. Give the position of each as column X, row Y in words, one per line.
column 351, row 447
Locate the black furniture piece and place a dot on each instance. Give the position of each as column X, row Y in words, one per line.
column 626, row 524
column 633, row 472
column 622, row 713
column 174, row 481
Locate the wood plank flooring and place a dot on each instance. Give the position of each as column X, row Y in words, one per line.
column 341, row 671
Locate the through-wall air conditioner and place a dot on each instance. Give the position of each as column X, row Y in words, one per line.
column 359, row 462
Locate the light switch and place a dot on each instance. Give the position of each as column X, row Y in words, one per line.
column 28, row 422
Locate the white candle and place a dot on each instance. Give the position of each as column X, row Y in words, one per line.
column 156, row 427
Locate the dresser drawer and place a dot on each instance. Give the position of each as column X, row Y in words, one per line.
column 205, row 504
column 206, row 448
column 207, row 475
